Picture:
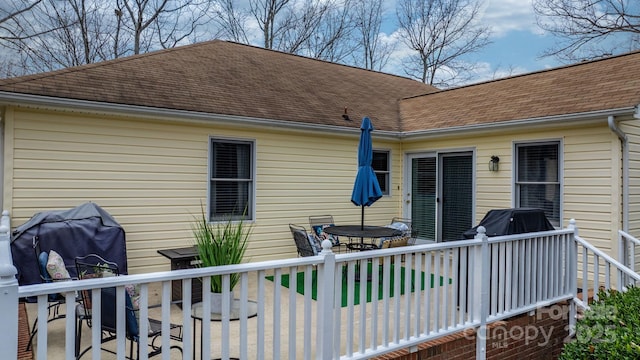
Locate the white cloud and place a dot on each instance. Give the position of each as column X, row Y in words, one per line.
column 504, row 16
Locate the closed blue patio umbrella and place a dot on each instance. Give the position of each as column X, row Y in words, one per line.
column 366, row 189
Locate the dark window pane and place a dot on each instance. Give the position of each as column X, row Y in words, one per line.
column 380, row 165
column 423, row 198
column 231, row 161
column 382, row 180
column 538, row 179
column 231, row 180
column 538, row 163
column 380, row 161
column 230, row 199
column 545, row 197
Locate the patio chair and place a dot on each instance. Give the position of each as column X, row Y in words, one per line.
column 411, row 232
column 49, row 263
column 87, row 267
column 318, row 223
column 392, row 243
column 306, row 244
column 94, row 266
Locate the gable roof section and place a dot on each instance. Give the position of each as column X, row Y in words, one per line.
column 220, row 77
column 607, row 84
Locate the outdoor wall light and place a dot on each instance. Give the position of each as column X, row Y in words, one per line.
column 494, row 163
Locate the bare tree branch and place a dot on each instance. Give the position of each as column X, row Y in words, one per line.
column 589, row 28
column 440, row 32
column 231, row 20
column 368, row 22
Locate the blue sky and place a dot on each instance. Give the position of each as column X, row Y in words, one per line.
column 517, row 41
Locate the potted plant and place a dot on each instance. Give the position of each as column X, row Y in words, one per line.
column 220, row 244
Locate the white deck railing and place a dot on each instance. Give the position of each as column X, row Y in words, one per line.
column 628, row 253
column 599, row 271
column 417, row 293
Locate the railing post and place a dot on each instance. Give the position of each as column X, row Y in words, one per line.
column 573, row 312
column 481, row 284
column 622, row 257
column 8, row 294
column 326, row 296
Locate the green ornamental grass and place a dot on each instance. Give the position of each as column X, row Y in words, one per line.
column 220, row 244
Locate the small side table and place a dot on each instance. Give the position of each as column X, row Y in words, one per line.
column 183, row 258
column 234, row 314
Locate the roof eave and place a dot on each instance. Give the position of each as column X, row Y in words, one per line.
column 11, row 98
column 564, row 119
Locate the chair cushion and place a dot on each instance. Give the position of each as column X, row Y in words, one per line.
column 315, row 244
column 394, row 242
column 406, row 232
column 134, row 293
column 132, row 321
column 400, row 226
column 56, row 268
column 318, row 232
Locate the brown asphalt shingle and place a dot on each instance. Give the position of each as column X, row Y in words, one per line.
column 222, row 77
column 606, row 84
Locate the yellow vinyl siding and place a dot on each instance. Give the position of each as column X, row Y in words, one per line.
column 632, row 129
column 590, row 182
column 152, row 177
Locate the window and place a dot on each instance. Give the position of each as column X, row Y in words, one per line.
column 381, row 166
column 231, row 180
column 537, row 183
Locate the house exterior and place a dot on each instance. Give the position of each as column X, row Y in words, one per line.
column 237, row 129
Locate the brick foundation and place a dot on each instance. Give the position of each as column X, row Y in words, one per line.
column 539, row 336
column 23, row 334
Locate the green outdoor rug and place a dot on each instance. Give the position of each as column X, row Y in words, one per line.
column 356, row 287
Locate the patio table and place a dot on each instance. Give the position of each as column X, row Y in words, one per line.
column 362, row 232
column 234, row 314
column 358, row 231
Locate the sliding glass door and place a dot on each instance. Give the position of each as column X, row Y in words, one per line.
column 440, row 197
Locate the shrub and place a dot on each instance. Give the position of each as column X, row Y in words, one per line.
column 609, row 329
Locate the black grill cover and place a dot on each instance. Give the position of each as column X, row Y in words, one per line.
column 511, row 221
column 86, row 229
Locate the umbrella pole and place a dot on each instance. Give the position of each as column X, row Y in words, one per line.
column 362, row 223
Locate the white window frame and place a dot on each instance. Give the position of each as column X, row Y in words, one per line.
column 250, row 214
column 516, row 184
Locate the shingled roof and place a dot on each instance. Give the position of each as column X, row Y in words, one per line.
column 220, row 77
column 607, row 84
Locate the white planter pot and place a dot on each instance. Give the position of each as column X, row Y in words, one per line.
column 216, row 302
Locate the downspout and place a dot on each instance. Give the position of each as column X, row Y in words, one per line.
column 3, row 120
column 625, row 170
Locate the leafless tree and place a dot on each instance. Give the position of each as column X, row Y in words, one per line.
column 60, row 33
column 330, row 38
column 272, row 16
column 440, row 32
column 313, row 28
column 232, row 21
column 9, row 11
column 590, row 28
column 373, row 53
column 183, row 22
